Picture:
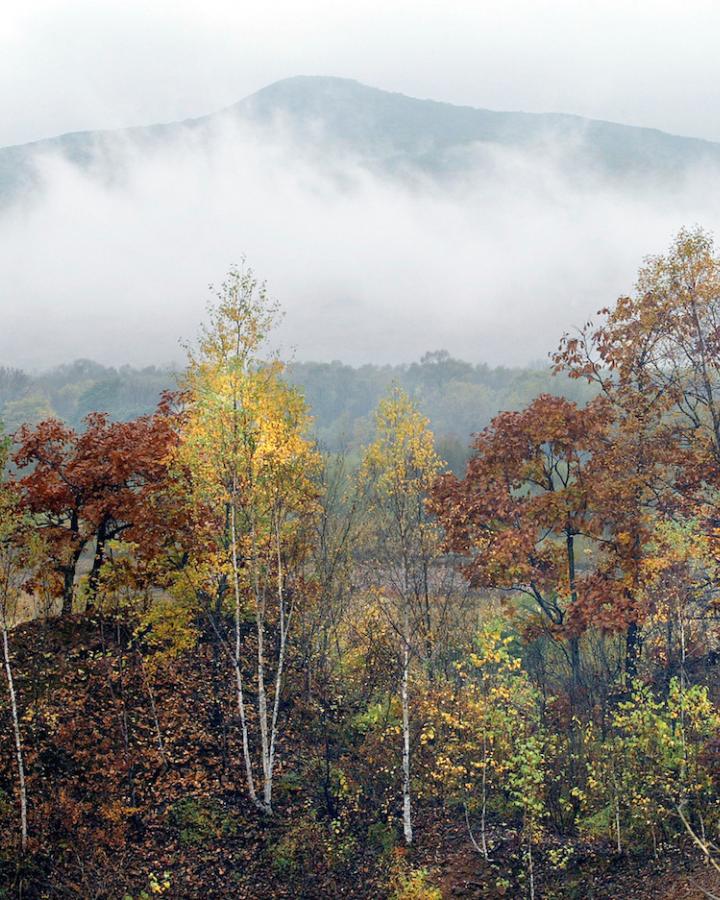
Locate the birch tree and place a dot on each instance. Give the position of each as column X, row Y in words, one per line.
column 252, row 468
column 402, row 544
column 12, row 570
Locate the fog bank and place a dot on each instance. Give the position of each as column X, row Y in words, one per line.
column 492, row 264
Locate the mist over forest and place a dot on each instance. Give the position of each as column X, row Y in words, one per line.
column 381, row 223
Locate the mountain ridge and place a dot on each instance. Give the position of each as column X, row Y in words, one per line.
column 338, row 80
column 387, row 130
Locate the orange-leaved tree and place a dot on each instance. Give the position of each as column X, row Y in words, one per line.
column 523, row 505
column 93, row 485
column 655, row 357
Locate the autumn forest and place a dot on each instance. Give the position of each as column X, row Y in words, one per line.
column 242, row 661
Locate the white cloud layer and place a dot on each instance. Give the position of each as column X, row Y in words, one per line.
column 494, row 267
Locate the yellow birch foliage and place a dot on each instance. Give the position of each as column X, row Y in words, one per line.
column 245, row 440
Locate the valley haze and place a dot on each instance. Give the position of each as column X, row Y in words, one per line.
column 384, row 225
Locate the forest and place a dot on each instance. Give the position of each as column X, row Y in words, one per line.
column 411, row 632
column 458, row 397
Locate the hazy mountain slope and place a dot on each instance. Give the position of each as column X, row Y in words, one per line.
column 383, row 130
column 379, row 123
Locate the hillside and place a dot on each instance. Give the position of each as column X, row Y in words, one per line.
column 238, row 667
column 112, row 819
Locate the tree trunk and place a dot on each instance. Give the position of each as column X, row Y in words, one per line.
column 575, row 662
column 18, row 740
column 284, row 626
column 429, row 636
column 482, row 846
column 669, row 642
column 68, row 594
column 238, row 671
column 407, row 815
column 616, row 804
column 68, row 570
column 632, row 652
column 531, row 872
column 574, row 641
column 98, row 560
column 483, row 814
column 262, row 704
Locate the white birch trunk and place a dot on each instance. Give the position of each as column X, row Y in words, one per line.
column 407, row 811
column 284, row 626
column 18, row 740
column 266, row 804
column 483, row 820
column 531, row 872
column 238, row 672
column 262, row 710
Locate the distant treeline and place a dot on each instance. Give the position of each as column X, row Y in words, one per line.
column 72, row 391
column 459, row 397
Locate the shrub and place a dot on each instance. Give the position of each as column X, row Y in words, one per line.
column 200, row 821
column 382, row 836
column 413, row 884
column 302, row 845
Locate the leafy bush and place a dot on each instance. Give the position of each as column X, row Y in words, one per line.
column 200, row 821
column 413, row 884
column 302, row 844
column 382, row 836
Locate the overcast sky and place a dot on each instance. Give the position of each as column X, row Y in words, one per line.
column 84, row 64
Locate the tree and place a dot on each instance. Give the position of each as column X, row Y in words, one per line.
column 523, row 504
column 656, row 760
column 654, row 357
column 483, row 735
column 92, row 486
column 251, row 468
column 14, row 556
column 664, row 339
column 403, row 544
column 680, row 582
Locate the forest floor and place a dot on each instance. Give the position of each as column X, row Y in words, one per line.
column 595, row 872
column 463, row 876
column 109, row 810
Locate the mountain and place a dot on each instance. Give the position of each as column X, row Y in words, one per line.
column 380, row 124
column 387, row 132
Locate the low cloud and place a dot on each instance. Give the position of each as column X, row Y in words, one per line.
column 492, row 264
